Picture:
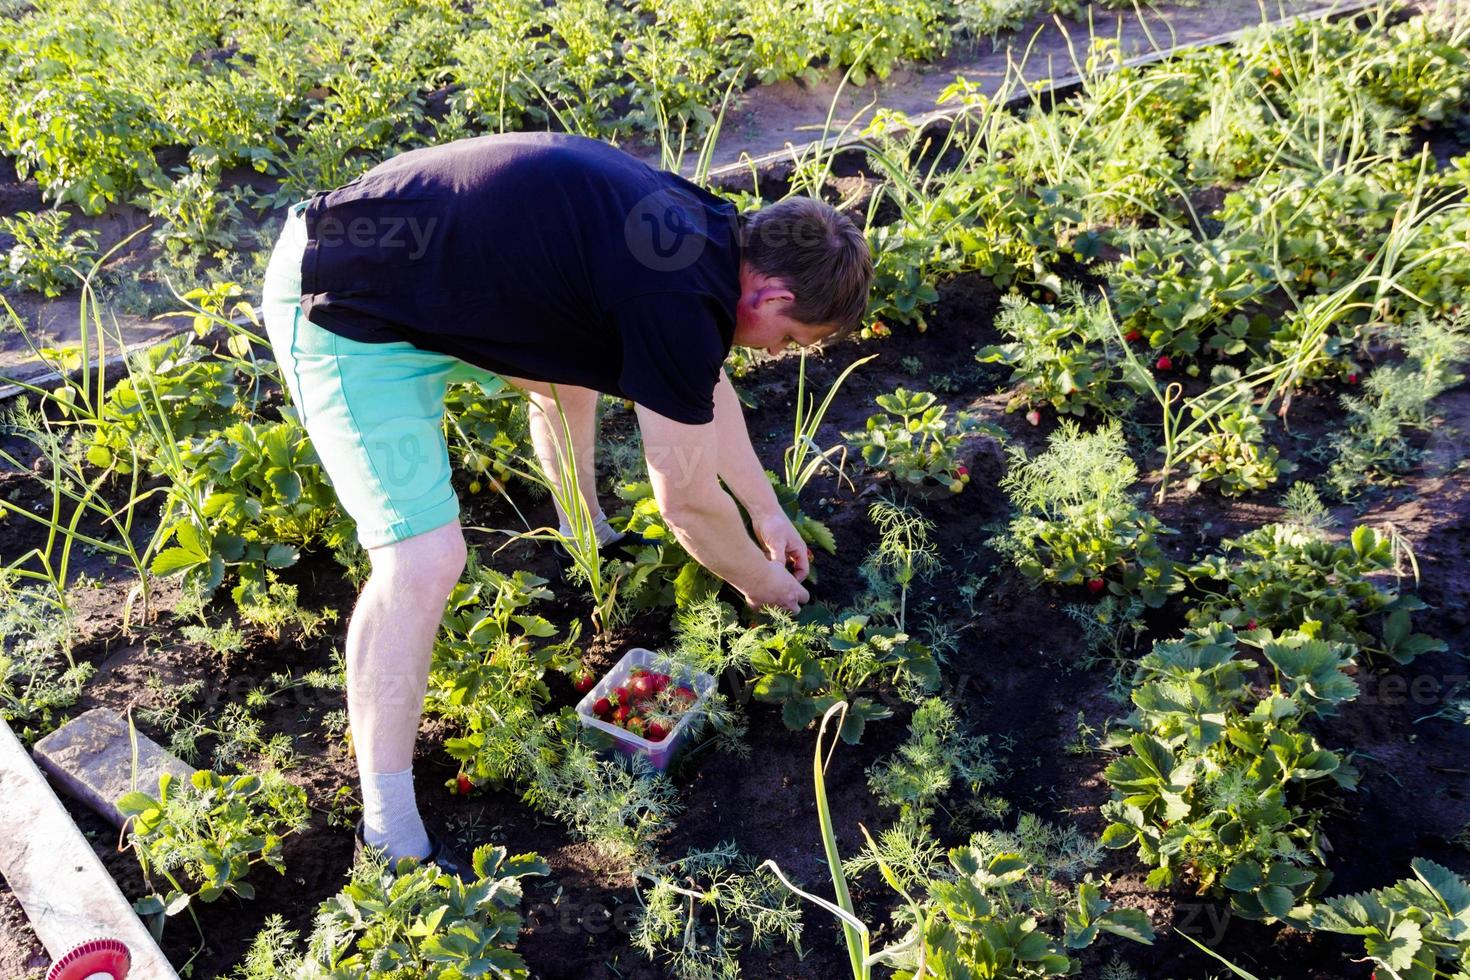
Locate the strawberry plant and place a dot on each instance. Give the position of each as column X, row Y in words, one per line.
column 1232, row 450
column 488, row 667
column 204, row 834
column 808, row 668
column 412, row 920
column 1288, row 577
column 247, row 497
column 1215, row 778
column 43, row 256
column 1415, row 929
column 1175, row 291
column 913, row 443
column 974, row 919
column 179, row 390
column 485, row 431
column 1058, row 357
column 1076, row 523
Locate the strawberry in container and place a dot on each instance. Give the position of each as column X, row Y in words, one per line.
column 648, row 705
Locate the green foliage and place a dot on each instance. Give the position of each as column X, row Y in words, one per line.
column 807, row 669
column 176, row 390
column 1232, row 452
column 1064, row 358
column 485, row 431
column 249, row 497
column 1217, row 778
column 39, row 678
column 904, row 552
column 45, row 258
column 1375, row 445
column 203, row 835
column 937, row 755
column 976, row 922
column 912, row 442
column 413, row 920
column 1291, row 578
column 1416, row 929
column 1176, row 293
column 700, row 911
column 197, row 219
column 1077, row 522
column 489, row 665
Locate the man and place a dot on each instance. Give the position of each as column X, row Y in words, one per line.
column 566, row 268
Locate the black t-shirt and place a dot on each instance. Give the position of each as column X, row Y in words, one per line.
column 539, row 255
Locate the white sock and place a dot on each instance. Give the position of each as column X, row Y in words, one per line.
column 390, row 815
column 604, row 530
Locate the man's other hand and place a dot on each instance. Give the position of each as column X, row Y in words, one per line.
column 778, row 589
column 783, row 543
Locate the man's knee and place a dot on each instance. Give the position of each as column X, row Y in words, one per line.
column 430, row 562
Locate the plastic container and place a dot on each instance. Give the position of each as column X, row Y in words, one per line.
column 661, row 753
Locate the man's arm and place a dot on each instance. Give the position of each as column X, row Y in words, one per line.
column 684, row 468
column 743, row 473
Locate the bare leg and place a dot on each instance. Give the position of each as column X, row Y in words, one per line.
column 389, row 642
column 547, row 435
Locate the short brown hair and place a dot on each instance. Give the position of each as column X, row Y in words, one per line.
column 819, row 253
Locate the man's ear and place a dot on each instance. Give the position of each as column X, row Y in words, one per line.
column 776, row 292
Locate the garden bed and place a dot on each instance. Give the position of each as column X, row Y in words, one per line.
column 1015, row 656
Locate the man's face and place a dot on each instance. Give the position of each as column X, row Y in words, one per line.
column 760, row 320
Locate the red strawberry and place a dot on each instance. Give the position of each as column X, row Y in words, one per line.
column 1034, row 417
column 963, row 471
column 621, row 713
column 1164, row 363
column 620, row 694
column 642, row 687
column 1133, row 336
column 660, row 681
column 601, row 707
column 657, row 731
column 583, row 682
column 1096, row 585
column 1251, row 625
column 1353, row 378
column 685, row 695
column 463, row 785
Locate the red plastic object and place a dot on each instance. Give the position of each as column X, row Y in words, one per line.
column 95, row 959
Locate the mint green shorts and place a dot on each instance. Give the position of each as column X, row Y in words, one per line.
column 375, row 412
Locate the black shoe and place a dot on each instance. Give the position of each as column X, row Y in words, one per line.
column 441, row 855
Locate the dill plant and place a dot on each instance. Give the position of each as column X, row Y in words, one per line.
column 700, row 911
column 1077, row 522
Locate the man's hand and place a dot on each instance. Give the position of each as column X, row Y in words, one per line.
column 782, row 542
column 777, row 589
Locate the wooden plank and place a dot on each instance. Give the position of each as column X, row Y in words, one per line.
column 67, row 894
